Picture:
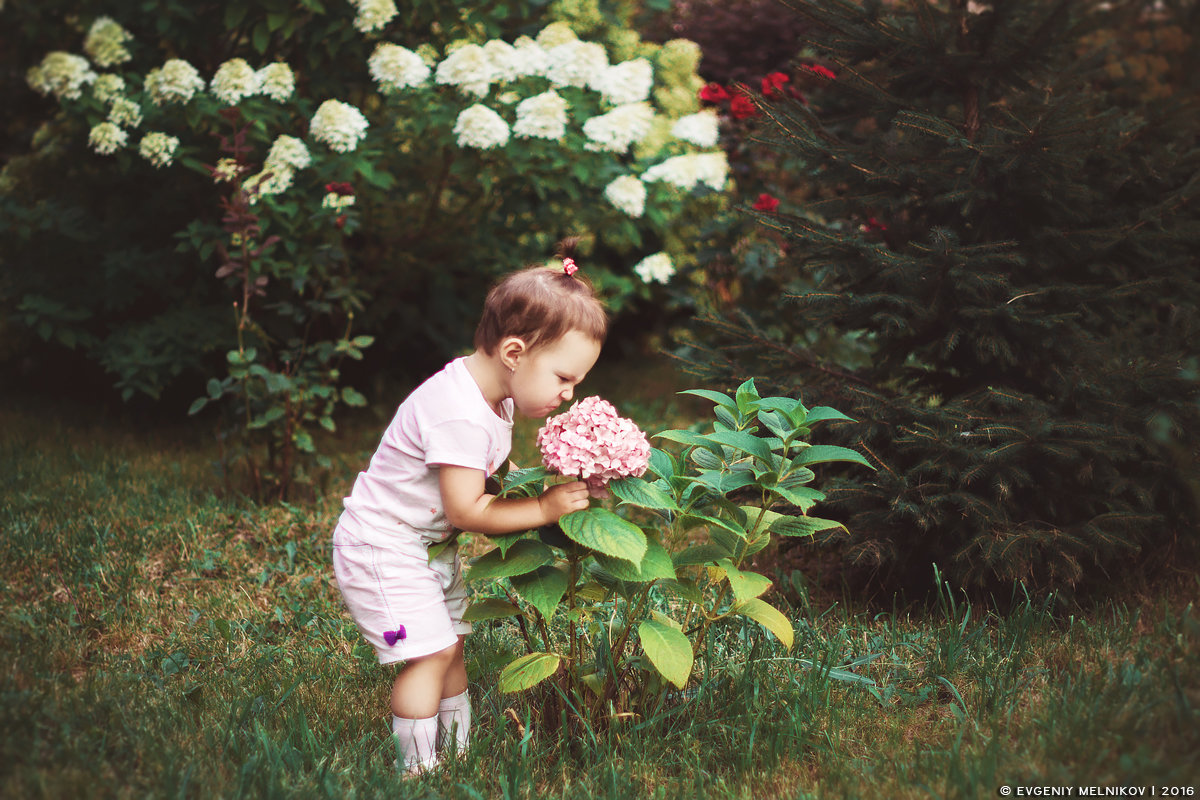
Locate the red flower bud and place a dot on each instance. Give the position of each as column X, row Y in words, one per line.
column 714, row 93
column 820, row 72
column 340, row 189
column 741, row 107
column 773, row 83
column 340, row 222
column 766, row 202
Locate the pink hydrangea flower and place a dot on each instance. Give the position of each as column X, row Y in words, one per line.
column 592, row 442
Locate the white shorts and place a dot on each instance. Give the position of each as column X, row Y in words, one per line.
column 405, row 605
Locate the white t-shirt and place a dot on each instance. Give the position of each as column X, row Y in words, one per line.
column 446, row 420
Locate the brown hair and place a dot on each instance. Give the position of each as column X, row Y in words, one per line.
column 539, row 305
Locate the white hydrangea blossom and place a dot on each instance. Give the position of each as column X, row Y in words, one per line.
column 108, row 87
column 176, row 81
column 657, row 267
column 481, row 128
column 158, row 148
column 554, row 34
column 235, row 79
column 529, row 58
column 469, row 68
column 627, row 82
column 394, row 67
column 105, row 42
column 339, row 125
column 268, row 182
column 226, row 170
column 628, row 194
column 288, row 152
column 543, row 116
column 276, row 81
column 373, row 15
column 125, row 112
column 106, row 138
column 62, row 74
column 700, row 129
column 503, row 58
column 691, row 170
column 620, row 128
column 576, row 63
column 337, row 202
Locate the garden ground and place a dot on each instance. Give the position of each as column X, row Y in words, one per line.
column 160, row 637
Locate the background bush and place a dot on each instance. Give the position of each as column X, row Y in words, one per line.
column 1001, row 220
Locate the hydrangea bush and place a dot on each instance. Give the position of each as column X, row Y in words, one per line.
column 614, row 605
column 472, row 145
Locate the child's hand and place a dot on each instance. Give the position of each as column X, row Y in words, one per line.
column 563, row 499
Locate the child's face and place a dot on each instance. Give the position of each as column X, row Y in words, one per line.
column 545, row 377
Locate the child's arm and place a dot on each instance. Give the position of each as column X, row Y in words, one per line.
column 470, row 508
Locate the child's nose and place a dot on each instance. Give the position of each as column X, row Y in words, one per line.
column 567, row 394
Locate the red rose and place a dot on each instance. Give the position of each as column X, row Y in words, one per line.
column 766, row 202
column 714, row 93
column 821, row 72
column 773, row 83
column 742, row 107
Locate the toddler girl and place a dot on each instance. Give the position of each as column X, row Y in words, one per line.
column 539, row 335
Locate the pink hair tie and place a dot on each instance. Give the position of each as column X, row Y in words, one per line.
column 569, row 266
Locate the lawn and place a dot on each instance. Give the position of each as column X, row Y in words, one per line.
column 160, row 637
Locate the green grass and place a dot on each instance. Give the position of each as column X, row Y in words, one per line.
column 159, row 640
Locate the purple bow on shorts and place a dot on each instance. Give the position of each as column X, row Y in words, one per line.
column 391, row 637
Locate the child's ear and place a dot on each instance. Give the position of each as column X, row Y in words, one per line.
column 511, row 349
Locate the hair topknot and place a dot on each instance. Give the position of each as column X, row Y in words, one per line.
column 540, row 304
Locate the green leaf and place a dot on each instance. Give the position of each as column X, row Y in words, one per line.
column 638, row 492
column 490, row 608
column 747, row 443
column 517, row 478
column 747, row 397
column 724, row 482
column 528, row 671
column 745, row 585
column 803, row 526
column 769, row 617
column 543, row 588
column 699, row 554
column 525, row 555
column 262, row 37
column 720, row 398
column 198, row 404
column 686, row 589
column 824, row 413
column 605, row 532
column 352, row 397
column 303, row 440
column 668, row 650
column 689, row 439
column 655, row 565
column 802, row 497
column 718, row 522
column 823, row 453
column 661, row 464
column 214, row 388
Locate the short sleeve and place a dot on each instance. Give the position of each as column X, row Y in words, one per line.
column 458, row 443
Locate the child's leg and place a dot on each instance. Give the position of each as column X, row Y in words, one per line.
column 416, row 694
column 454, row 710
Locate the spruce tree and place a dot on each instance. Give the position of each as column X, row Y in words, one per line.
column 1013, row 239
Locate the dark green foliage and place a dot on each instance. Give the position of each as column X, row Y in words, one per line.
column 1011, row 243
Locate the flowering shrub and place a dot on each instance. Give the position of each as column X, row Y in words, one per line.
column 615, row 609
column 591, row 441
column 471, row 150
